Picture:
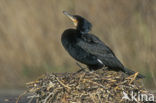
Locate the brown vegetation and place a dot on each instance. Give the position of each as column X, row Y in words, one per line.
column 30, row 34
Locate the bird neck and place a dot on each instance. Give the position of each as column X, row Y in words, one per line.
column 84, row 27
column 82, row 31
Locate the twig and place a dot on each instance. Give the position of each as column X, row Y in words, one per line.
column 94, row 83
column 92, row 97
column 17, row 101
column 45, row 100
column 65, row 86
column 135, row 75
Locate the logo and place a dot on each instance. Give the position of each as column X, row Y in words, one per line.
column 137, row 96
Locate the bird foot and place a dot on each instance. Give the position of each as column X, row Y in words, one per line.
column 105, row 68
column 81, row 68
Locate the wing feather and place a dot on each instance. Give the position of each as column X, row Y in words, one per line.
column 93, row 45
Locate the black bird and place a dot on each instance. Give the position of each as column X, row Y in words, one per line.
column 89, row 49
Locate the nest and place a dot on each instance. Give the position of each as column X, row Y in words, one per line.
column 101, row 86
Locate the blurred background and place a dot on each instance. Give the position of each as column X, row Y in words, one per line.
column 30, row 32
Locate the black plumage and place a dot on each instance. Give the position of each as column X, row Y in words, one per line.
column 89, row 49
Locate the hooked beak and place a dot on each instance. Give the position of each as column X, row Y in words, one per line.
column 71, row 17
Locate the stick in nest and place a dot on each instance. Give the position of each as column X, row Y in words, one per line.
column 61, row 83
column 19, row 97
column 134, row 76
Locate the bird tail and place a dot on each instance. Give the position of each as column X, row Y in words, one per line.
column 130, row 72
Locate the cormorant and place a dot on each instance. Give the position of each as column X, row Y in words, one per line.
column 89, row 49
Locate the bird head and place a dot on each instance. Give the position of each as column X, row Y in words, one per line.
column 82, row 25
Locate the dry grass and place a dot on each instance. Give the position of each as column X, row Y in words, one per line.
column 30, row 34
